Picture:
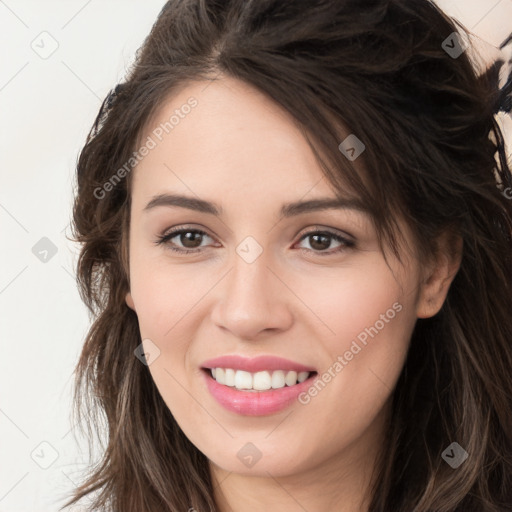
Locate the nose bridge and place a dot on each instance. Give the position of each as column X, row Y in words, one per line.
column 249, row 301
column 249, row 281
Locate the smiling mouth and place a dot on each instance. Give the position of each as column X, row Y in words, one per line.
column 258, row 381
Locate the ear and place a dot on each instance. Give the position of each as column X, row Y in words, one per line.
column 129, row 301
column 439, row 274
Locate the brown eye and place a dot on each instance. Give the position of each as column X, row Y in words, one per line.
column 189, row 239
column 320, row 241
column 185, row 240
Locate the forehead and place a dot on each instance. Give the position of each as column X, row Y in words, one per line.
column 233, row 136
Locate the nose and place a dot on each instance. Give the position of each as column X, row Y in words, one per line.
column 252, row 299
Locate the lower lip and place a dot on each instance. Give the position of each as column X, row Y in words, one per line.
column 255, row 403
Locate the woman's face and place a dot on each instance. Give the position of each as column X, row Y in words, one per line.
column 262, row 283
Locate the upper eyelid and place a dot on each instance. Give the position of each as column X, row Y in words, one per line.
column 179, row 229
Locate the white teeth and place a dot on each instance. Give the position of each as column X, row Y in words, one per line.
column 243, row 380
column 262, row 381
column 259, row 381
column 302, row 376
column 291, row 378
column 278, row 379
column 220, row 376
column 229, row 377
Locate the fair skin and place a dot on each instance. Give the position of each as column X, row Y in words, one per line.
column 239, row 150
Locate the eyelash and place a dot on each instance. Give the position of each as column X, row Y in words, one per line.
column 165, row 239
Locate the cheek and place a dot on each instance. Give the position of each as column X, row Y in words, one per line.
column 351, row 301
column 371, row 316
column 164, row 293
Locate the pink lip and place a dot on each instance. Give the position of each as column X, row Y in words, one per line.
column 256, row 403
column 256, row 364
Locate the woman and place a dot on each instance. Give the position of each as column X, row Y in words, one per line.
column 297, row 246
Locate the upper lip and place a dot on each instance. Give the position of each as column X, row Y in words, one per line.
column 255, row 364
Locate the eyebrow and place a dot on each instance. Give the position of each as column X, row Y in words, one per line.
column 287, row 210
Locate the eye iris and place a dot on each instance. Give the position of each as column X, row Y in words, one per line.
column 316, row 245
column 190, row 237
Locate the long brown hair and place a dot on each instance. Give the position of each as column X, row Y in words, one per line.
column 437, row 160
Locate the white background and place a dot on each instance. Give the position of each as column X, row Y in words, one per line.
column 47, row 106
